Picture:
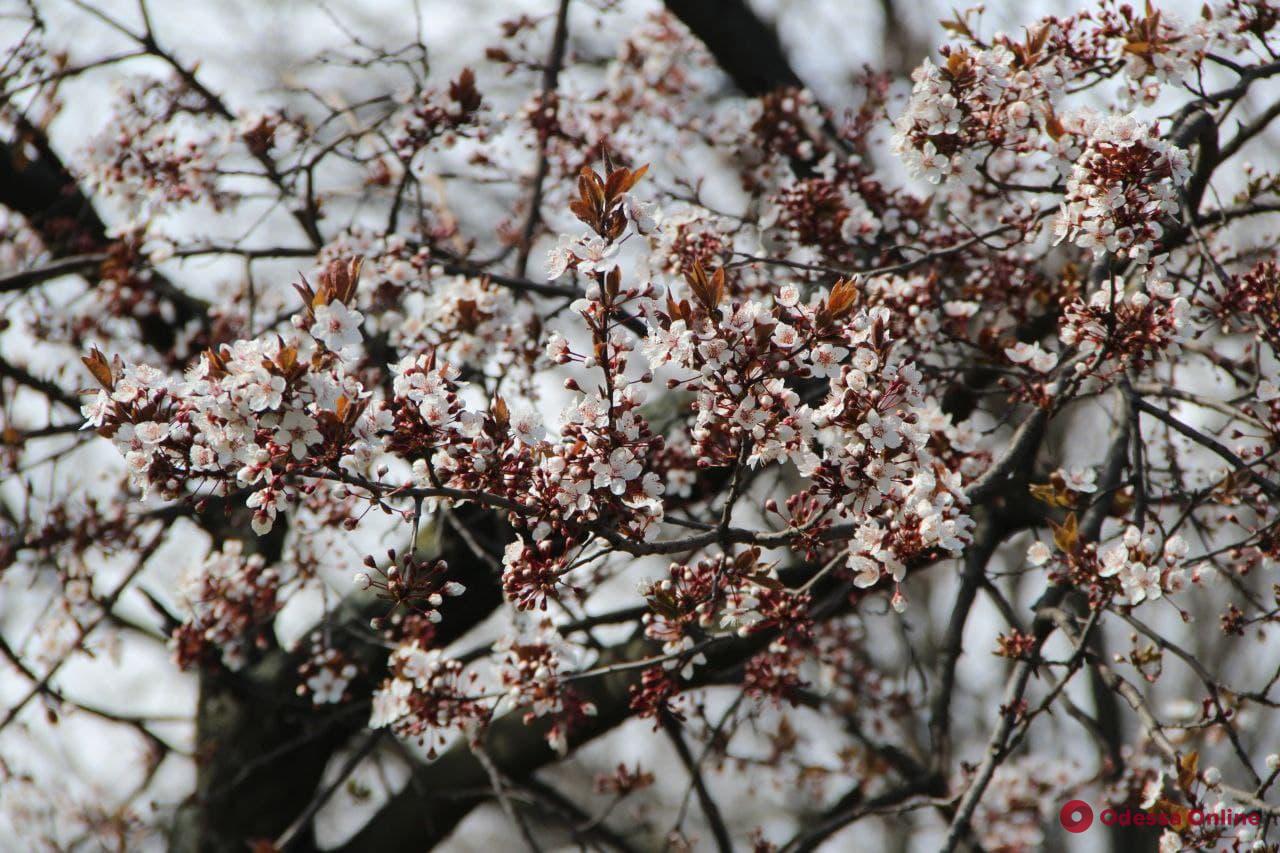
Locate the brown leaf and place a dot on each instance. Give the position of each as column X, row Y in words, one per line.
column 717, row 287
column 702, row 288
column 591, row 188
column 1180, row 815
column 584, row 211
column 1053, row 126
column 501, row 414
column 621, row 181
column 287, row 359
column 958, row 62
column 308, row 295
column 673, row 308
column 613, row 184
column 761, row 579
column 463, row 92
column 1036, row 41
column 100, row 368
column 957, row 25
column 635, row 177
column 1066, row 535
column 1047, row 493
column 841, row 299
column 217, row 364
column 1188, row 765
column 339, row 279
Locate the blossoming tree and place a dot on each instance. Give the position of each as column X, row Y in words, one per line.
column 610, row 438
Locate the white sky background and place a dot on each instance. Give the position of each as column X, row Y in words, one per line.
column 247, row 51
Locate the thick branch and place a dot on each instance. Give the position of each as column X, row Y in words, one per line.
column 745, row 47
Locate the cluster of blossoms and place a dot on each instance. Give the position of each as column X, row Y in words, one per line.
column 1129, row 329
column 1133, row 569
column 1123, row 184
column 977, row 101
column 775, row 673
column 594, row 475
column 838, row 212
column 748, row 598
column 148, row 157
column 986, row 101
column 737, row 593
column 1158, row 48
column 465, row 320
column 428, row 694
column 564, row 487
column 132, row 397
column 1033, row 355
column 1251, row 301
column 246, row 414
column 532, row 671
column 325, row 676
column 230, row 600
column 1024, row 795
column 1144, row 571
column 591, row 477
column 428, row 116
column 861, row 447
column 742, row 403
column 876, row 463
column 783, row 124
column 917, row 310
column 428, row 697
column 610, row 210
column 420, row 586
column 689, row 237
column 428, row 413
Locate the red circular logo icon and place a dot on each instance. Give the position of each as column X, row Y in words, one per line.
column 1076, row 816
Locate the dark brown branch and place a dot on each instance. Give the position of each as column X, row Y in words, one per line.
column 710, row 809
column 976, row 558
column 550, row 81
column 71, row 265
column 744, row 46
column 1042, row 626
column 268, row 748
column 421, row 815
column 1271, row 489
column 43, row 190
column 49, row 389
